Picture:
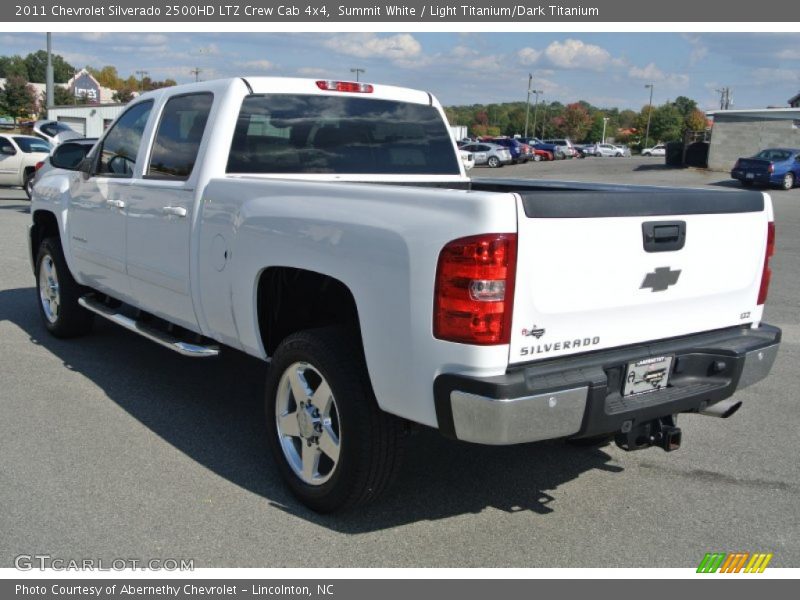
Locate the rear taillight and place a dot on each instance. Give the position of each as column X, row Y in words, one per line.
column 38, row 165
column 766, row 274
column 474, row 294
column 345, row 86
column 771, row 168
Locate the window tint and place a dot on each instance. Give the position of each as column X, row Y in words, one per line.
column 179, row 134
column 31, row 144
column 119, row 148
column 282, row 133
column 6, row 147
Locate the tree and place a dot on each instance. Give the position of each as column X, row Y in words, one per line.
column 686, row 106
column 62, row 96
column 666, row 123
column 123, row 95
column 18, row 98
column 574, row 121
column 107, row 77
column 696, row 121
column 627, row 119
column 13, row 66
column 36, row 67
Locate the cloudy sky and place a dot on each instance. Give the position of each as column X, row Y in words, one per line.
column 606, row 69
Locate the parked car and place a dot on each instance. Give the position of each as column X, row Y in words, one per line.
column 564, row 148
column 492, row 155
column 607, row 150
column 467, row 158
column 771, row 167
column 539, row 154
column 19, row 155
column 54, row 132
column 657, row 150
column 66, row 156
column 7, row 123
column 328, row 229
column 626, row 152
column 520, row 153
column 538, row 144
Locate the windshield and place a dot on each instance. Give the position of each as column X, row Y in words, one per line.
column 283, row 133
column 31, row 144
column 777, row 155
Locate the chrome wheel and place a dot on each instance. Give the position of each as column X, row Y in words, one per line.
column 48, row 288
column 788, row 181
column 29, row 187
column 307, row 421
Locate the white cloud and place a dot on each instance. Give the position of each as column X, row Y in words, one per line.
column 313, row 72
column 789, row 54
column 258, row 65
column 529, row 56
column 652, row 73
column 575, row 54
column 397, row 48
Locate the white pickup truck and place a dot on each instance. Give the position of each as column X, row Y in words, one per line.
column 328, row 228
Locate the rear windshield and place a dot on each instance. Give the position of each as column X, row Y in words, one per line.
column 283, row 133
column 54, row 128
column 32, row 144
column 777, row 155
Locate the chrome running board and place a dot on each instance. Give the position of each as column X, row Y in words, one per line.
column 89, row 302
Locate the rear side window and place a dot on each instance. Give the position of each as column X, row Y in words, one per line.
column 282, row 133
column 121, row 144
column 31, row 144
column 179, row 135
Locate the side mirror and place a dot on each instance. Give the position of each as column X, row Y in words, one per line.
column 69, row 156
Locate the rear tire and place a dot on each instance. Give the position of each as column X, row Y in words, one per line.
column 27, row 184
column 788, row 181
column 58, row 293
column 334, row 447
column 493, row 162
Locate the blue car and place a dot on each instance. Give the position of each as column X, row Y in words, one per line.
column 771, row 167
column 540, row 145
column 519, row 154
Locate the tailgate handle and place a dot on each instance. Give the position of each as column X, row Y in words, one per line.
column 663, row 236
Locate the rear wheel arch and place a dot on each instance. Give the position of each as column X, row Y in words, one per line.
column 289, row 300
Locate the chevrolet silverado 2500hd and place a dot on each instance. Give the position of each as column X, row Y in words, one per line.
column 328, row 228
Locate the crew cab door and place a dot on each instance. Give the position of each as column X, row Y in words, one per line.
column 96, row 223
column 10, row 162
column 160, row 211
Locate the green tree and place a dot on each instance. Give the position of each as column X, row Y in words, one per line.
column 13, row 66
column 62, row 96
column 696, row 121
column 627, row 119
column 107, row 77
column 18, row 98
column 666, row 123
column 686, row 106
column 123, row 95
column 574, row 122
column 36, row 67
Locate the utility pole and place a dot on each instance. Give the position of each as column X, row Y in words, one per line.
column 142, row 75
column 725, row 98
column 528, row 103
column 196, row 72
column 535, row 110
column 49, row 77
column 544, row 120
column 649, row 114
column 605, row 122
column 358, row 71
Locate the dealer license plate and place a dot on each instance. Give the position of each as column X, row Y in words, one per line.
column 647, row 375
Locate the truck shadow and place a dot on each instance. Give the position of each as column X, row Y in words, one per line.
column 211, row 411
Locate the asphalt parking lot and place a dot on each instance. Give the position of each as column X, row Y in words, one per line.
column 114, row 447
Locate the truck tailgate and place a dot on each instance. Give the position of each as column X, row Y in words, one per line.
column 601, row 269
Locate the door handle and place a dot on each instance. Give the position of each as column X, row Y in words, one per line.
column 177, row 211
column 116, row 203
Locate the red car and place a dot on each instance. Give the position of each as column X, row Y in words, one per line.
column 541, row 154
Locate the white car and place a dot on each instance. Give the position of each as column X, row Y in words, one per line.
column 328, row 228
column 658, row 150
column 19, row 155
column 607, row 150
column 55, row 132
column 467, row 158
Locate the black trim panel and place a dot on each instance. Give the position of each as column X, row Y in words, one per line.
column 574, row 200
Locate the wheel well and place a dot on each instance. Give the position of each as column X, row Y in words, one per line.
column 29, row 170
column 290, row 300
column 45, row 225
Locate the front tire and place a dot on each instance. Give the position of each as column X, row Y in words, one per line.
column 58, row 293
column 788, row 181
column 333, row 445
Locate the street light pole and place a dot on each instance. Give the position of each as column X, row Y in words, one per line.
column 49, row 78
column 605, row 122
column 142, row 74
column 649, row 114
column 535, row 110
column 357, row 71
column 528, row 103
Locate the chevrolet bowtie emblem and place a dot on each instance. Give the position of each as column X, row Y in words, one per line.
column 660, row 279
